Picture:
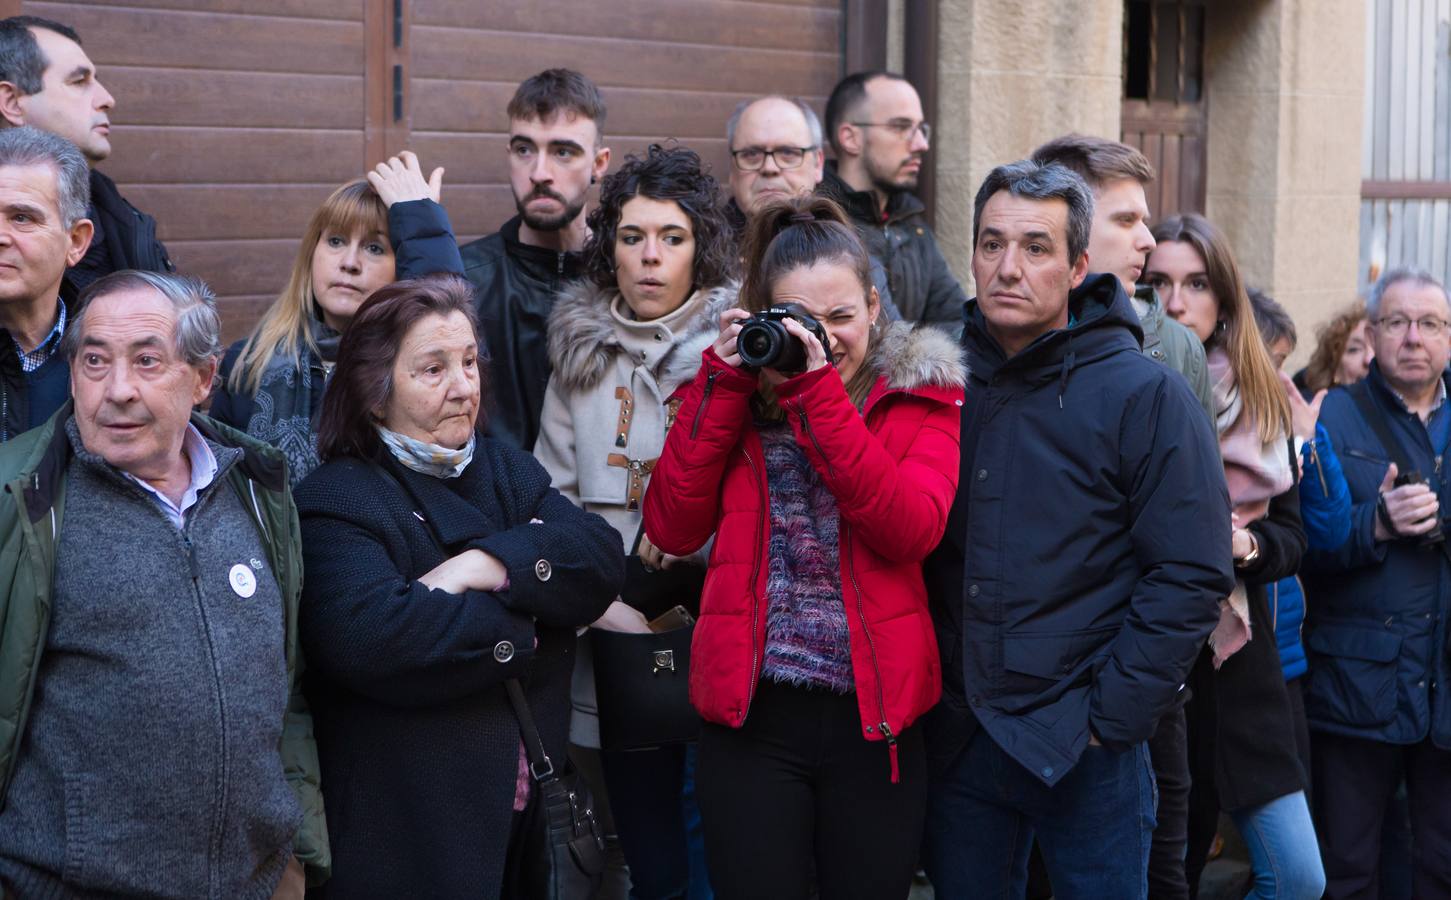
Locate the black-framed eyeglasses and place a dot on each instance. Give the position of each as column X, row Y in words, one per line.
column 903, row 128
column 753, row 158
column 1395, row 326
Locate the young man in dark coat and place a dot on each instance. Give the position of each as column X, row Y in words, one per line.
column 875, row 124
column 47, row 81
column 1070, row 597
column 1377, row 694
column 556, row 151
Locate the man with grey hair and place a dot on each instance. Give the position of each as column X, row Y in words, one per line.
column 43, row 229
column 153, row 740
column 776, row 152
column 1377, row 694
column 1085, row 556
column 48, row 82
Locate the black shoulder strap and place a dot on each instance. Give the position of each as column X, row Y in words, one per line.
column 540, row 765
column 1375, row 417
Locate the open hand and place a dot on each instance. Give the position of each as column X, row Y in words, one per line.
column 471, row 570
column 401, row 178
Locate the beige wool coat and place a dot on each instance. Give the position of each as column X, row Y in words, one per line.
column 606, row 411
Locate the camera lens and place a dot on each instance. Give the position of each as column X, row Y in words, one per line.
column 759, row 343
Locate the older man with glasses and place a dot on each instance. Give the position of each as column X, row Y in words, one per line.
column 1379, row 620
column 876, row 127
column 776, row 152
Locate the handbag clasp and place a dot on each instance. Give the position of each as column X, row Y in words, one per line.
column 664, row 659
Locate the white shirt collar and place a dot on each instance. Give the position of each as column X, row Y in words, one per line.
column 203, row 471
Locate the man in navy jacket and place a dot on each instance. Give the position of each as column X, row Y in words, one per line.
column 1085, row 556
column 1376, row 633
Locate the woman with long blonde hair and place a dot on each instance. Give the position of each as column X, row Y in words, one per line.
column 271, row 382
column 1241, row 743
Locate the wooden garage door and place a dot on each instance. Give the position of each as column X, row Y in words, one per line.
column 667, row 69
column 235, row 118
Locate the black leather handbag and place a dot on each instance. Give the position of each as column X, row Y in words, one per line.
column 642, row 680
column 565, row 854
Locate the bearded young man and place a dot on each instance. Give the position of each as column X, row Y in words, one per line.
column 556, row 152
column 875, row 124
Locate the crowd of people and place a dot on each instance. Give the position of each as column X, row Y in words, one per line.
column 1020, row 594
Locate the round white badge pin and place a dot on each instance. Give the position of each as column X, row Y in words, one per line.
column 243, row 581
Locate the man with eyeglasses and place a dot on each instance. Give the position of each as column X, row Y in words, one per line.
column 1376, row 629
column 875, row 124
column 776, row 152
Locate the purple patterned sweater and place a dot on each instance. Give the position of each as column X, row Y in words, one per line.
column 808, row 643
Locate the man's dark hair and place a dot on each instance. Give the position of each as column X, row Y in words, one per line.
column 558, row 90
column 1271, row 318
column 846, row 97
column 21, row 61
column 1035, row 181
column 1096, row 160
column 673, row 174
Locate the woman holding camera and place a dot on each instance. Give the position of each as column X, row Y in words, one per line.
column 1241, row 738
column 825, row 479
column 621, row 341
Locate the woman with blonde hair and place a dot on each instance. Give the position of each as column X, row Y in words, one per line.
column 1241, row 742
column 271, row 382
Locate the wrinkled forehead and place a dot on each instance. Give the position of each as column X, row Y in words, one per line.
column 772, row 122
column 1415, row 300
column 129, row 318
column 1012, row 216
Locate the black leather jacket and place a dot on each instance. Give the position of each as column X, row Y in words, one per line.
column 923, row 287
column 125, row 237
column 515, row 286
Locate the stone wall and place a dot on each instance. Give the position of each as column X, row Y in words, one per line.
column 1011, row 76
column 1285, row 82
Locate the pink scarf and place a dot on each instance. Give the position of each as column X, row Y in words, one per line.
column 1255, row 471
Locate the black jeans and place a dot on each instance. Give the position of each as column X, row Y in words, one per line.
column 1169, row 750
column 1354, row 781
column 798, row 792
column 647, row 790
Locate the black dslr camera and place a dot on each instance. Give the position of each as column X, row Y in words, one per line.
column 1435, row 535
column 764, row 342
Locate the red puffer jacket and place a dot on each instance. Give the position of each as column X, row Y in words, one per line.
column 893, row 472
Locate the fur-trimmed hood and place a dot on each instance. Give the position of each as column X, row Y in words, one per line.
column 585, row 337
column 912, row 356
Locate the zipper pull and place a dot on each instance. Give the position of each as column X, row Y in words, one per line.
column 560, row 271
column 891, row 751
column 196, row 569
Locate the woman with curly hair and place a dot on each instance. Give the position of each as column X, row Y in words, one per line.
column 1342, row 353
column 621, row 341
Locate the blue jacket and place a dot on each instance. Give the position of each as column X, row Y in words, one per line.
column 1325, row 515
column 1088, row 545
column 1377, row 631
